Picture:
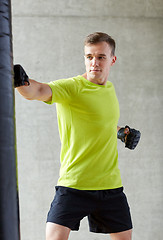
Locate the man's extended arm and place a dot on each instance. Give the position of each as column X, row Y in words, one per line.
column 30, row 89
column 36, row 91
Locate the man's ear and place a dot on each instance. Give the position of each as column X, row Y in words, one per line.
column 113, row 60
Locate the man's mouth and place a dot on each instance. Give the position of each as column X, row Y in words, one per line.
column 95, row 70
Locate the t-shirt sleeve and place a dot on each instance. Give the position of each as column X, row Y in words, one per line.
column 63, row 90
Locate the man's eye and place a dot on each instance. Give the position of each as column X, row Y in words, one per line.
column 101, row 58
column 89, row 57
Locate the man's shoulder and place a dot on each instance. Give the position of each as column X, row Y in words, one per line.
column 65, row 81
column 109, row 84
column 75, row 79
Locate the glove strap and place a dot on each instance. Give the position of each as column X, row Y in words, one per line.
column 121, row 135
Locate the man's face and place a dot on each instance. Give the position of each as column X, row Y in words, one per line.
column 98, row 60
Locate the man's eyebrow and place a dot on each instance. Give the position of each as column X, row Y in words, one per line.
column 101, row 54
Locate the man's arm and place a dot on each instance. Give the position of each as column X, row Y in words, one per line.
column 118, row 128
column 30, row 89
column 126, row 130
column 129, row 136
column 36, row 91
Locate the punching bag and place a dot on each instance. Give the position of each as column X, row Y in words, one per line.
column 9, row 223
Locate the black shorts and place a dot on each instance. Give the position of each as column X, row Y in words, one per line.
column 107, row 210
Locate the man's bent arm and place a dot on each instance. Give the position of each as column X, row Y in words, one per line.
column 118, row 128
column 36, row 91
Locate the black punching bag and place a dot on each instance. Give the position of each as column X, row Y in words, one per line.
column 9, row 224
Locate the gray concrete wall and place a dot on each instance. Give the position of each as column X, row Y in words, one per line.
column 48, row 41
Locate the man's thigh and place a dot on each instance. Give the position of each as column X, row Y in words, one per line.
column 125, row 235
column 56, row 232
column 113, row 213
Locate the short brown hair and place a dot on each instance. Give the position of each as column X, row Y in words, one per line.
column 97, row 37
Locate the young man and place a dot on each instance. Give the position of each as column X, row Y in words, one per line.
column 88, row 112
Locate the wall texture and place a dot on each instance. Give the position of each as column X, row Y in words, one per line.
column 48, row 41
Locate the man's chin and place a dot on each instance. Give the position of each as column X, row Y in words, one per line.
column 95, row 75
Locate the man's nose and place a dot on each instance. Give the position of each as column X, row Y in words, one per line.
column 94, row 62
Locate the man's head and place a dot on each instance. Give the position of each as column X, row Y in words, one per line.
column 98, row 37
column 99, row 57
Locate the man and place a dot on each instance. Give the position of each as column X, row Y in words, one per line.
column 88, row 111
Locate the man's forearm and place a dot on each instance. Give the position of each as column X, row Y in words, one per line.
column 30, row 92
column 36, row 91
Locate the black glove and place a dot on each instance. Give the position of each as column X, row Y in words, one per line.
column 129, row 136
column 20, row 76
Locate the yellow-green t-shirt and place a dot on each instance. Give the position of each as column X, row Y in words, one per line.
column 87, row 114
